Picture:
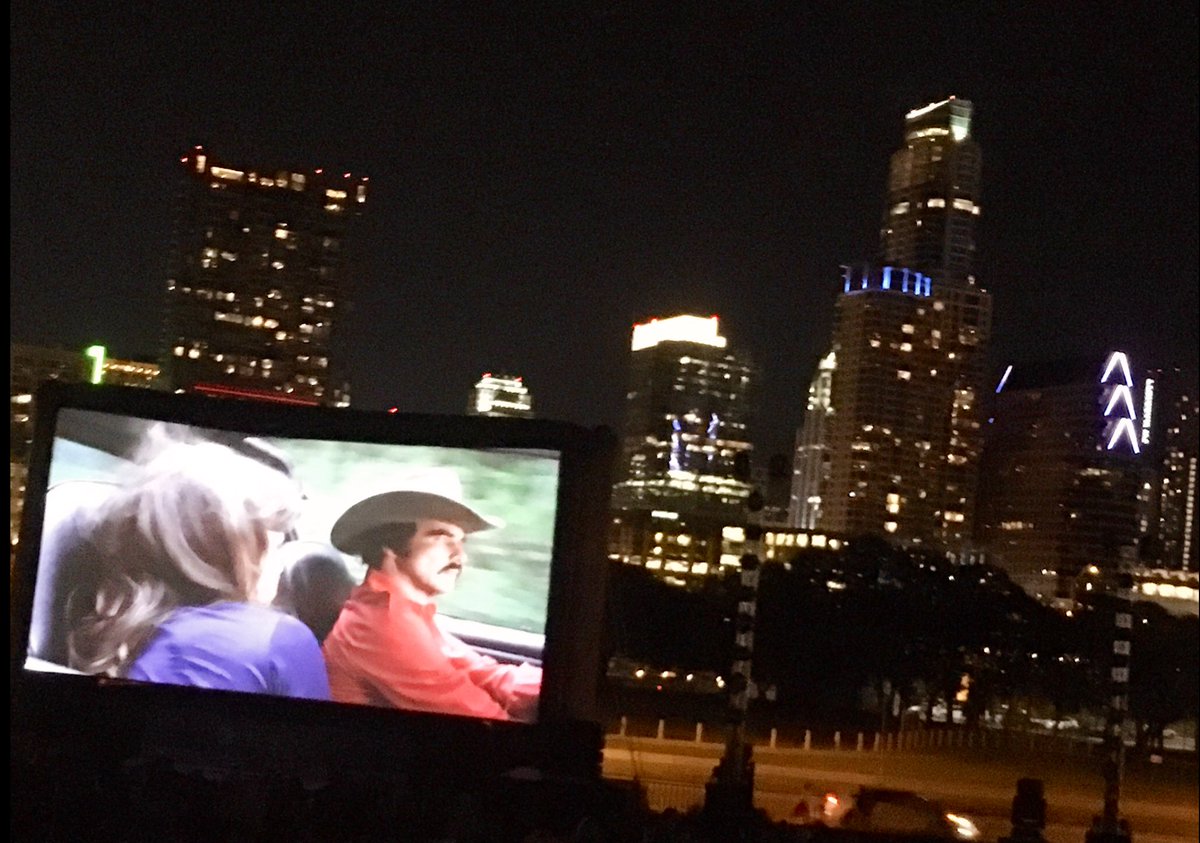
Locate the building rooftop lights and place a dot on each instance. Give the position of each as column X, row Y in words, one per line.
column 917, row 112
column 695, row 329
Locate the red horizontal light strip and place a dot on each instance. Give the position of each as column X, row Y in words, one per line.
column 209, row 389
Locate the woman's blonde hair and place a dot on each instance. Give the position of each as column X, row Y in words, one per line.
column 188, row 527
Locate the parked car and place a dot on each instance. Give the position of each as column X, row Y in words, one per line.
column 888, row 811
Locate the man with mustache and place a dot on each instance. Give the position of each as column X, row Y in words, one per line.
column 386, row 648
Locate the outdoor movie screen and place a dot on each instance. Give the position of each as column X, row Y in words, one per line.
column 403, row 576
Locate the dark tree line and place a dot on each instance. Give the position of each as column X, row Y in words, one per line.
column 857, row 637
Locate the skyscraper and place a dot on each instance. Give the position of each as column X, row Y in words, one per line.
column 1176, row 481
column 258, row 284
column 1058, row 499
column 910, row 335
column 686, row 417
column 933, row 194
column 500, row 395
column 811, row 464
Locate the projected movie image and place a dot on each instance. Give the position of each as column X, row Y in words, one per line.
column 399, row 576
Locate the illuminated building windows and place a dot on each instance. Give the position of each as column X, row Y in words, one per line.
column 893, row 503
column 249, row 225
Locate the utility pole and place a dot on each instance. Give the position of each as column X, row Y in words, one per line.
column 729, row 794
column 1109, row 827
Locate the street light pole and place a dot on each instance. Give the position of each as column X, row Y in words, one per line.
column 1110, row 828
column 729, row 795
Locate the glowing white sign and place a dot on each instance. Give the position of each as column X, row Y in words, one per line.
column 1147, row 409
column 1122, row 391
column 697, row 329
column 1117, row 358
column 1124, row 426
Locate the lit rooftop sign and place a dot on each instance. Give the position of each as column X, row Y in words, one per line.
column 1120, row 425
column 698, row 329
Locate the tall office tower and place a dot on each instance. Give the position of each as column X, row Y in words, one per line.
column 910, row 338
column 1058, row 497
column 933, row 195
column 689, row 404
column 259, row 277
column 1162, row 388
column 810, row 469
column 501, row 395
column 1177, row 514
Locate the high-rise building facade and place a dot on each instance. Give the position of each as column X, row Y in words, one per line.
column 686, row 420
column 501, row 395
column 933, row 194
column 1058, row 506
column 810, row 467
column 1176, row 528
column 1168, row 556
column 259, row 281
column 904, row 436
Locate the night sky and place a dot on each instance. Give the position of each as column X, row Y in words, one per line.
column 544, row 174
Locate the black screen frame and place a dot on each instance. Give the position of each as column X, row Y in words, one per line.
column 175, row 720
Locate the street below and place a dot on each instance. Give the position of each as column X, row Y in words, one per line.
column 1160, row 803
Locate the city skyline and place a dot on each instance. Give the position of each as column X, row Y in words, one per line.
column 542, row 182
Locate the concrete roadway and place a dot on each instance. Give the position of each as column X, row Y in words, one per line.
column 1160, row 809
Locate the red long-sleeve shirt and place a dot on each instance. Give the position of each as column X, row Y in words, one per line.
column 387, row 650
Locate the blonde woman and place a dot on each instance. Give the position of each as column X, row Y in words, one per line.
column 181, row 544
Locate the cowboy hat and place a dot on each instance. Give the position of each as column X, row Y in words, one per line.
column 433, row 493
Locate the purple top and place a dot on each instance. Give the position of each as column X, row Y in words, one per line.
column 235, row 647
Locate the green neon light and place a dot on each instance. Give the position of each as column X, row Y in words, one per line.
column 97, row 353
